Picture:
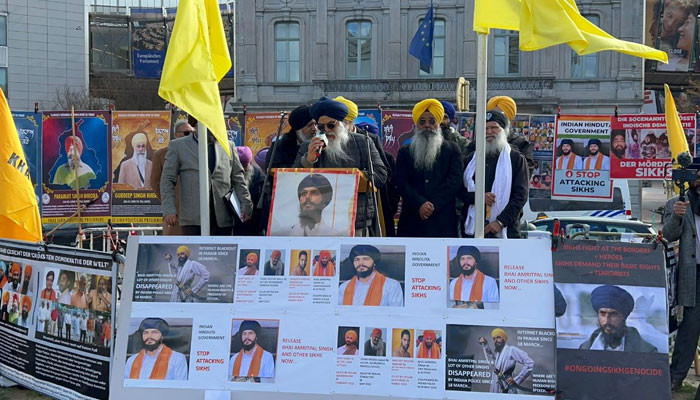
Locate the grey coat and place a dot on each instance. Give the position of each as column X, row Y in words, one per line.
column 683, row 229
column 182, row 160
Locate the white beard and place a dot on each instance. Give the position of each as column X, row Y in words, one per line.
column 425, row 148
column 141, row 162
column 334, row 151
column 494, row 147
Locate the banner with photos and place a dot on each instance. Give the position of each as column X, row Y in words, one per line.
column 397, row 130
column 612, row 320
column 56, row 318
column 284, row 316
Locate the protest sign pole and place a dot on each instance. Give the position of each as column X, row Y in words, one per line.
column 203, row 179
column 77, row 178
column 480, row 134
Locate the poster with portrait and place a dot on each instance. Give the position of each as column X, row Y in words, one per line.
column 541, row 180
column 323, row 202
column 397, row 130
column 28, row 126
column 520, row 125
column 136, row 136
column 582, row 158
column 542, row 136
column 611, row 320
column 473, row 277
column 361, row 265
column 639, row 145
column 260, row 132
column 675, row 33
column 234, row 126
column 87, row 156
column 465, row 124
column 250, row 337
column 148, row 338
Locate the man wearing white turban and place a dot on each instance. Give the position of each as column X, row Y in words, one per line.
column 136, row 171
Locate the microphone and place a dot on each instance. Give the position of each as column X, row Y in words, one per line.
column 323, row 137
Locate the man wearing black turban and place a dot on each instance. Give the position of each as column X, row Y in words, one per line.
column 252, row 362
column 567, row 159
column 155, row 360
column 613, row 305
column 314, row 194
column 596, row 159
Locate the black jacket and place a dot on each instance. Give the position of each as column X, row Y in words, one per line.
column 633, row 342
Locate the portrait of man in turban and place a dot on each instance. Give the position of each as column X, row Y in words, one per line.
column 136, row 166
column 155, row 359
column 65, row 174
column 348, row 341
column 251, row 341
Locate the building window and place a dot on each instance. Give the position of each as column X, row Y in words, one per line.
column 287, row 52
column 3, row 30
column 585, row 66
column 506, row 53
column 438, row 68
column 109, row 43
column 359, row 50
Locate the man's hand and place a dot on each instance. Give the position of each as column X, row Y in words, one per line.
column 316, row 143
column 679, row 208
column 482, row 340
column 510, row 381
column 490, row 198
column 426, row 210
column 244, row 217
column 168, row 257
column 170, row 219
column 494, row 227
column 188, row 292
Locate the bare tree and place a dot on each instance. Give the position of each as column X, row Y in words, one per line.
column 67, row 97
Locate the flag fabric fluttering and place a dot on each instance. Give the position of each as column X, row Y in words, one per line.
column 421, row 46
column 19, row 211
column 545, row 23
column 196, row 60
column 676, row 135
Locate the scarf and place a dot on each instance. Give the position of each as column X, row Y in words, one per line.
column 330, row 269
column 48, row 294
column 477, row 292
column 254, row 368
column 160, row 369
column 350, row 350
column 570, row 164
column 423, row 351
column 598, row 163
column 501, row 188
column 374, row 294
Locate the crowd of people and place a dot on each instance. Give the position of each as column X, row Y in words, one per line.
column 431, row 182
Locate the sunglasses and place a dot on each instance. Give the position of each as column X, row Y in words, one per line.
column 330, row 126
column 187, row 132
column 430, row 121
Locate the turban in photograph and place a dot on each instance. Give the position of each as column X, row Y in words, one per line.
column 351, row 334
column 594, row 141
column 27, row 271
column 499, row 332
column 366, row 250
column 27, row 302
column 252, row 257
column 567, row 141
column 352, row 108
column 5, row 297
column 321, row 183
column 250, row 325
column 155, row 323
column 469, row 251
column 430, row 105
column 376, row 332
column 497, row 117
column 449, row 109
column 15, row 268
column 299, row 117
column 330, row 108
column 609, row 296
column 503, row 103
column 276, row 254
column 78, row 144
column 139, row 138
column 183, row 249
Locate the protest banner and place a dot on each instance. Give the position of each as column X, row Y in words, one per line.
column 305, row 320
column 542, row 135
column 520, row 125
column 56, row 319
column 136, row 136
column 465, row 124
column 612, row 320
column 397, row 130
column 94, row 166
column 234, row 127
column 581, row 160
column 314, row 202
column 28, row 126
column 639, row 145
column 260, row 131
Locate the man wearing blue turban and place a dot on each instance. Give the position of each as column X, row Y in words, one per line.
column 613, row 305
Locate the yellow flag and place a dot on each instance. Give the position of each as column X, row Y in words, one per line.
column 19, row 212
column 676, row 136
column 545, row 23
column 498, row 14
column 197, row 59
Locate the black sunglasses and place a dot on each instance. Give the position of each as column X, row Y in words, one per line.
column 330, row 126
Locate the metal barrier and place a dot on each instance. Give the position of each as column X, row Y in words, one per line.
column 112, row 237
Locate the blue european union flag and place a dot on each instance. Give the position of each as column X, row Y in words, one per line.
column 421, row 46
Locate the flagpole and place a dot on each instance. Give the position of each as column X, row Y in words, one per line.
column 480, row 133
column 77, row 178
column 203, row 179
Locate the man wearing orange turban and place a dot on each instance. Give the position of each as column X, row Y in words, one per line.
column 375, row 346
column 184, row 274
column 27, row 279
column 350, row 347
column 504, row 357
column 325, row 266
column 65, row 174
column 251, row 264
column 428, row 348
column 274, row 266
column 24, row 319
column 15, row 274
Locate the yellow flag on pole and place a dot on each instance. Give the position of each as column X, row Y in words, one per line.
column 676, row 136
column 545, row 23
column 19, row 212
column 197, row 59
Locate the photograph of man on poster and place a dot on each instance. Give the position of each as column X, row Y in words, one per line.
column 249, row 262
column 567, row 157
column 472, row 281
column 505, row 358
column 48, row 292
column 136, row 166
column 375, row 346
column 366, row 276
column 324, row 263
column 429, row 344
column 348, row 341
column 100, row 297
column 151, row 357
column 402, row 343
column 274, row 266
column 66, row 280
column 14, row 277
column 302, row 263
column 619, row 144
column 184, row 274
column 65, row 173
column 253, row 344
column 596, row 158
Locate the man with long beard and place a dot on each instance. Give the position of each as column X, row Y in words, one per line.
column 183, row 274
column 472, row 285
column 506, row 181
column 568, row 159
column 503, row 358
column 136, row 171
column 404, row 345
column 369, row 287
column 27, row 280
column 155, row 360
column 24, row 319
column 275, row 265
column 375, row 346
column 613, row 305
column 596, row 160
column 252, row 361
column 65, row 174
column 619, row 143
column 314, row 194
column 325, row 266
column 428, row 176
column 350, row 347
column 15, row 274
column 428, row 347
column 342, row 149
